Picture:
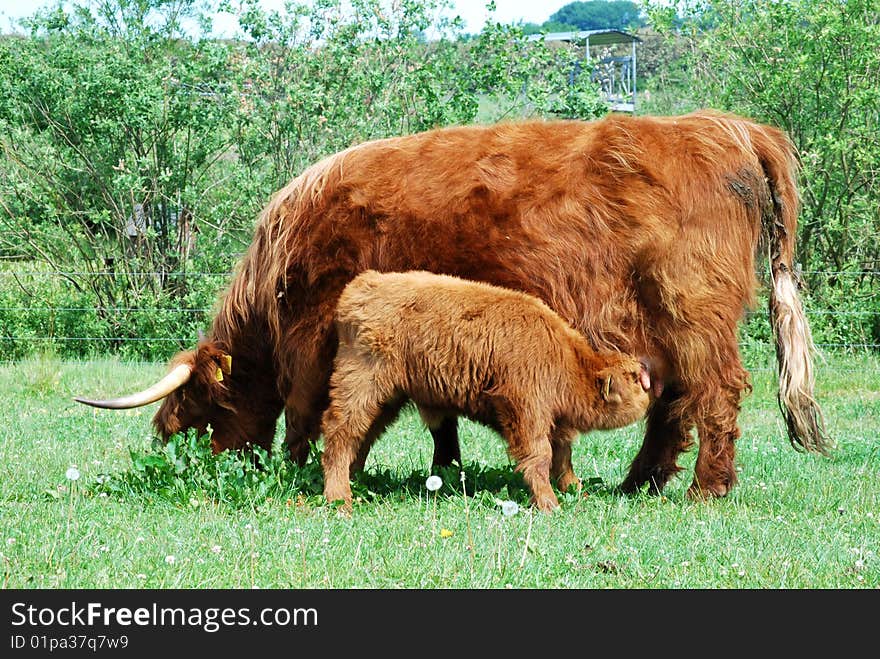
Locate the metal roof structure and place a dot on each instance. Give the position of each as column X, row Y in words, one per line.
column 594, row 37
column 616, row 75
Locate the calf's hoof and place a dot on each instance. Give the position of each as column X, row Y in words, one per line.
column 546, row 503
column 341, row 499
column 565, row 482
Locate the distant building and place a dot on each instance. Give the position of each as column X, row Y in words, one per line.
column 615, row 73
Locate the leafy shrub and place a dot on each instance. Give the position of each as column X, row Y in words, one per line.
column 812, row 68
column 184, row 470
column 135, row 153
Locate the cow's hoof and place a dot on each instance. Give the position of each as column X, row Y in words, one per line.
column 699, row 492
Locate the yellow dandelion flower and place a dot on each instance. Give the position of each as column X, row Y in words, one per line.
column 445, row 533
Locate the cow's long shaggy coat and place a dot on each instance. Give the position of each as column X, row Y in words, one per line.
column 641, row 232
column 452, row 346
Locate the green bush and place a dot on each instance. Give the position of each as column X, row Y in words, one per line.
column 40, row 310
column 811, row 67
column 184, row 470
column 132, row 147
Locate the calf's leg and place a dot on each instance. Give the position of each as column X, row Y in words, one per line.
column 356, row 404
column 561, row 469
column 386, row 417
column 343, row 433
column 529, row 445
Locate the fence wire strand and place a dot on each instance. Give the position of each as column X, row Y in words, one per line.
column 7, row 337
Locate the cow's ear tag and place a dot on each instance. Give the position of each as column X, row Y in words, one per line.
column 219, row 374
column 227, row 359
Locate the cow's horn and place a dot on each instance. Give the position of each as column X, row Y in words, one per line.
column 177, row 377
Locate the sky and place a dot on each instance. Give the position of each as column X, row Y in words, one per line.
column 473, row 12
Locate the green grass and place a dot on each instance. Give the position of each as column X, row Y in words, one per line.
column 794, row 520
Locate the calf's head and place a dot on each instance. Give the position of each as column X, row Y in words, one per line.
column 623, row 384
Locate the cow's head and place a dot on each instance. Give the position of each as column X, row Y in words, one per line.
column 197, row 393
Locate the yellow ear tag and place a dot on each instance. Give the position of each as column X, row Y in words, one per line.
column 228, row 360
column 219, row 374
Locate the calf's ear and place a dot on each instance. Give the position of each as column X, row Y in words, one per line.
column 607, row 390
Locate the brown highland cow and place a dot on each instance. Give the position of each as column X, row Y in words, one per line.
column 498, row 356
column 640, row 232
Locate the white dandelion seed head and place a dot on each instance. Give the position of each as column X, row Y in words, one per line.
column 216, row 549
column 170, row 559
column 72, row 474
column 434, row 483
column 509, row 508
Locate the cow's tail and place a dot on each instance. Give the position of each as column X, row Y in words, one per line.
column 794, row 342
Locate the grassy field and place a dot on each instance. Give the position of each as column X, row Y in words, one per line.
column 144, row 517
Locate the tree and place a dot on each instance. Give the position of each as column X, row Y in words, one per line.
column 600, row 14
column 133, row 152
column 811, row 67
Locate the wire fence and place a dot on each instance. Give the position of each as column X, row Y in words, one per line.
column 862, row 324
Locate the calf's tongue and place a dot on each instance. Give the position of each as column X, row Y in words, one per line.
column 645, row 379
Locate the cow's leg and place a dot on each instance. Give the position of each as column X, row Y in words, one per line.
column 709, row 386
column 295, row 437
column 667, row 435
column 446, row 447
column 560, row 468
column 302, row 412
column 444, row 432
column 715, row 411
column 308, row 353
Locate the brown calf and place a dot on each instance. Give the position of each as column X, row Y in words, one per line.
column 452, row 346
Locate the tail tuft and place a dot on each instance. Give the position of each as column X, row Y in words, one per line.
column 794, row 351
column 794, row 341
